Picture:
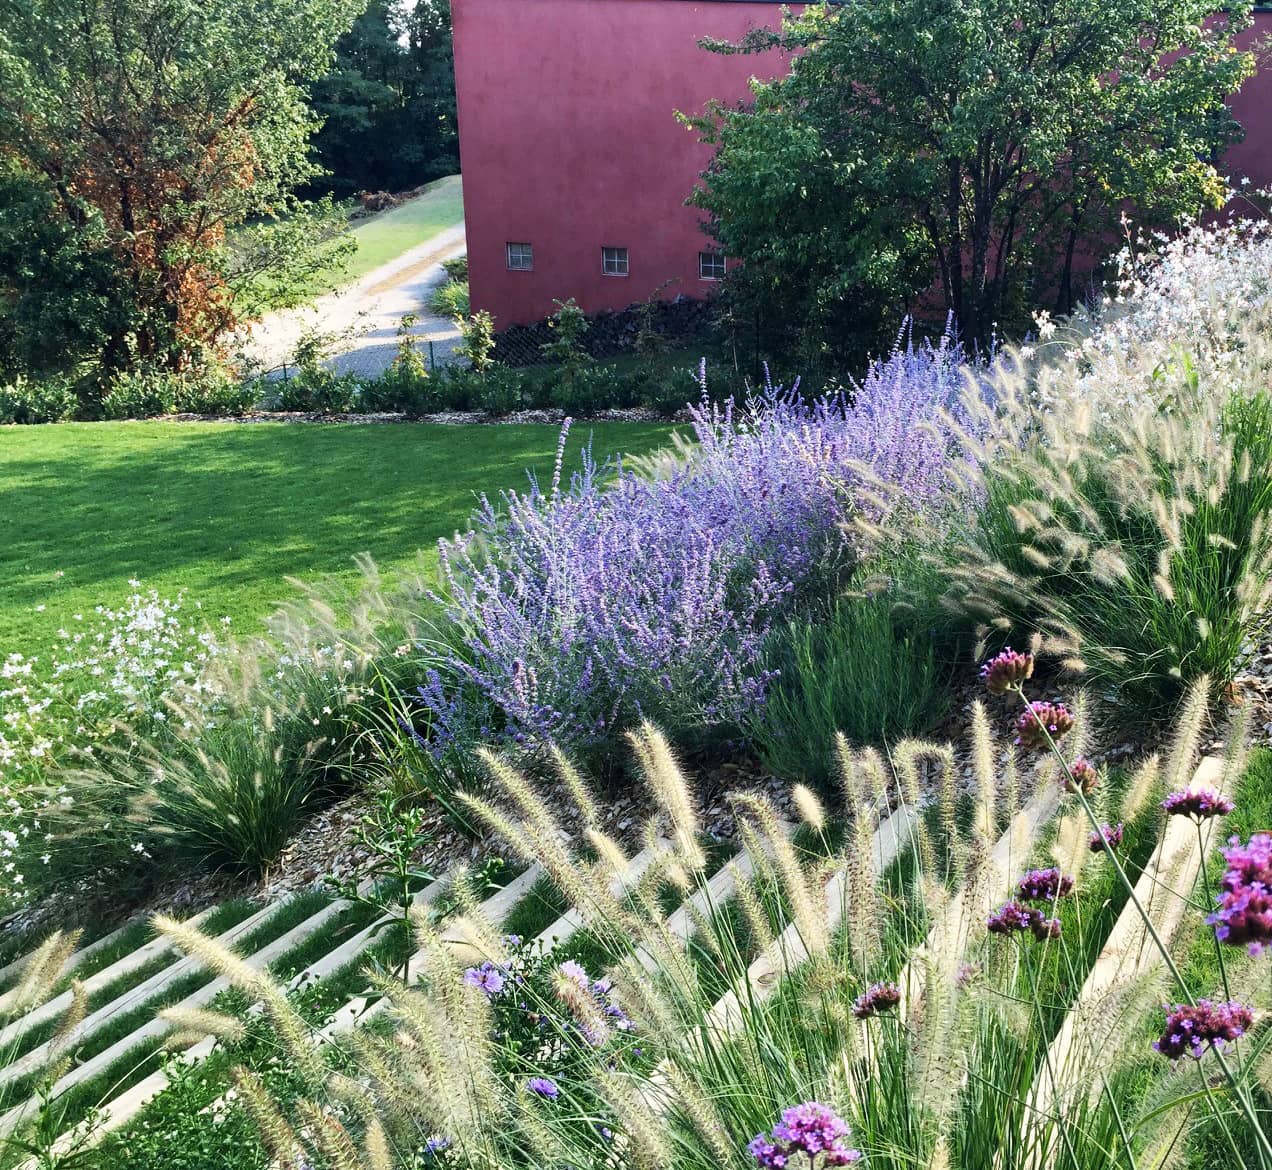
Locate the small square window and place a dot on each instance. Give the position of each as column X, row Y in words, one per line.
column 520, row 257
column 614, row 261
column 710, row 265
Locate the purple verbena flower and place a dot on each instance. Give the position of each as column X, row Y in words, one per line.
column 1191, row 1029
column 1054, row 717
column 1244, row 917
column 1006, row 670
column 1016, row 918
column 1109, row 837
column 1082, row 776
column 878, row 997
column 811, row 1129
column 1044, row 885
column 1200, row 803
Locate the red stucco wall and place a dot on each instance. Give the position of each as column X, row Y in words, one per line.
column 568, row 141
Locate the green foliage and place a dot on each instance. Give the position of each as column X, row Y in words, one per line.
column 980, row 147
column 1143, row 558
column 46, row 401
column 859, row 670
column 450, row 299
column 202, row 388
column 478, row 347
column 456, row 268
column 388, row 104
column 148, row 131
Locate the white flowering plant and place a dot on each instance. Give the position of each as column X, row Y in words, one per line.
column 113, row 674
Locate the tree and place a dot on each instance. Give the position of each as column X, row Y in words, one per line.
column 984, row 148
column 153, row 128
column 388, row 104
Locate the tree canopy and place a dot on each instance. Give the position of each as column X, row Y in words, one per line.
column 147, row 130
column 979, row 149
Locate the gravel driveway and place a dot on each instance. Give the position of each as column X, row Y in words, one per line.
column 365, row 315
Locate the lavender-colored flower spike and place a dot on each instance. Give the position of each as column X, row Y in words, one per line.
column 878, row 997
column 1044, row 885
column 1109, row 837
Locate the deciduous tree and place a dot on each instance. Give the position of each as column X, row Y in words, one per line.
column 981, row 147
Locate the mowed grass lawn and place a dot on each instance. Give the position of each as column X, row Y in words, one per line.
column 386, row 236
column 227, row 511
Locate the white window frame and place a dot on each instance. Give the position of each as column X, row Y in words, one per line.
column 714, row 260
column 617, row 264
column 525, row 258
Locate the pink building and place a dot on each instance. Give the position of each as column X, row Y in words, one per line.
column 575, row 167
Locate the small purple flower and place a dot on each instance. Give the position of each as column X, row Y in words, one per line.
column 1006, row 670
column 487, row 978
column 878, row 997
column 1054, row 717
column 1015, row 918
column 811, row 1129
column 1190, row 1029
column 1109, row 837
column 1082, row 776
column 574, row 972
column 436, row 1145
column 966, row 974
column 1044, row 885
column 1244, row 917
column 543, row 1087
column 1199, row 803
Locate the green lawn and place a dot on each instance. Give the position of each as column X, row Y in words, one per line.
column 226, row 511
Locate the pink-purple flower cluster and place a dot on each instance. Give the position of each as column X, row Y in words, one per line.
column 1193, row 1028
column 1016, row 918
column 1244, row 917
column 1006, row 670
column 878, row 997
column 487, row 978
column 1082, row 776
column 1054, row 717
column 1109, row 837
column 1044, row 885
column 811, row 1129
column 1198, row 802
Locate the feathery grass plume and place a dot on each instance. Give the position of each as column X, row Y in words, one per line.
column 875, row 779
column 938, row 1054
column 1009, row 803
column 525, row 800
column 1190, row 723
column 670, row 789
column 330, row 1139
column 654, row 1003
column 807, row 906
column 294, row 1033
column 548, row 1147
column 40, row 974
column 863, row 903
column 608, row 850
column 753, row 912
column 1236, row 748
column 645, row 1129
column 708, row 932
column 701, row 1113
column 577, row 789
column 850, row 779
column 809, row 808
column 201, row 1022
column 986, row 823
column 1145, row 782
column 1071, row 847
column 376, row 1151
column 277, row 1135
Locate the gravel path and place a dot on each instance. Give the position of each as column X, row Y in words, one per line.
column 365, row 316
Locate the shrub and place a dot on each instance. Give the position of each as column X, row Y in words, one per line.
column 204, row 388
column 857, row 671
column 318, row 390
column 478, row 345
column 456, row 267
column 500, row 392
column 450, row 299
column 24, row 401
column 585, row 607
